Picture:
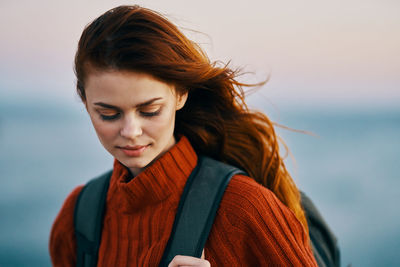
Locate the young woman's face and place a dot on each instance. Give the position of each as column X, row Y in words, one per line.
column 133, row 115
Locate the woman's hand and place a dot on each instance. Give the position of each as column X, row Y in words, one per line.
column 182, row 261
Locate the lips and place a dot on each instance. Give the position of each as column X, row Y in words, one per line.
column 132, row 147
column 133, row 151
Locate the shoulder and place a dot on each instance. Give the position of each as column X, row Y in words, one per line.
column 68, row 207
column 256, row 229
column 253, row 206
column 246, row 192
column 62, row 236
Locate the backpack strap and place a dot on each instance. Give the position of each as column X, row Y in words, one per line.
column 197, row 208
column 88, row 219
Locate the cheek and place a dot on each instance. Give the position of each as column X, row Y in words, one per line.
column 105, row 131
column 162, row 126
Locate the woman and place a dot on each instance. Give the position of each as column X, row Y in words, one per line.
column 156, row 103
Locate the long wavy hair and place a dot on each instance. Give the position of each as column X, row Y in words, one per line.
column 215, row 118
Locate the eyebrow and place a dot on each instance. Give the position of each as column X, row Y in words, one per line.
column 149, row 102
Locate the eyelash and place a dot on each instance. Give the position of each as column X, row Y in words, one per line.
column 116, row 116
column 109, row 118
column 150, row 114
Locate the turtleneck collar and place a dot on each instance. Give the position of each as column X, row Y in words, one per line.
column 164, row 178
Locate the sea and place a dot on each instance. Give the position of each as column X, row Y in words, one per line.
column 346, row 160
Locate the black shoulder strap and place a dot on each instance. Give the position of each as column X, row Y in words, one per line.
column 88, row 219
column 197, row 208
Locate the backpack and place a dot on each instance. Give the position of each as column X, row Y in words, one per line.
column 197, row 209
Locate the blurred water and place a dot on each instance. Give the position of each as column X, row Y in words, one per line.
column 350, row 170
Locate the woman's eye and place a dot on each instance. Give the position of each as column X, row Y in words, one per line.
column 150, row 114
column 109, row 117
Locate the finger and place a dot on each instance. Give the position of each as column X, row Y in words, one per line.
column 180, row 260
column 203, row 255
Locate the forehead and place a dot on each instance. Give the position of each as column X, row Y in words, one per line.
column 120, row 87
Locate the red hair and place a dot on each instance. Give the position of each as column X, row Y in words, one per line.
column 215, row 117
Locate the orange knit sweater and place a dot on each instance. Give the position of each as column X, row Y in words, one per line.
column 252, row 227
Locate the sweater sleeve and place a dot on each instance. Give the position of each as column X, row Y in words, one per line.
column 253, row 228
column 62, row 237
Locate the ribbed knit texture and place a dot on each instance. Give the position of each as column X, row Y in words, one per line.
column 252, row 227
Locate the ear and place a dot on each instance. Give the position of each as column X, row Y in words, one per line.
column 181, row 100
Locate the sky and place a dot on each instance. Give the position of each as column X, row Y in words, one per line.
column 314, row 52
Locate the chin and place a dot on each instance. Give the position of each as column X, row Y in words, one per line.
column 135, row 163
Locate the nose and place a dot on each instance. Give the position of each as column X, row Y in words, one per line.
column 131, row 127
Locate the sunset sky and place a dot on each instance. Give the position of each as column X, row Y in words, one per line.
column 341, row 52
